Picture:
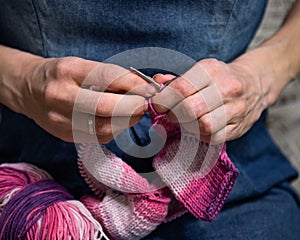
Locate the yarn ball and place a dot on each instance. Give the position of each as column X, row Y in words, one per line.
column 33, row 206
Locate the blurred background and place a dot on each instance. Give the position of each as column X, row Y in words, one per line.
column 284, row 115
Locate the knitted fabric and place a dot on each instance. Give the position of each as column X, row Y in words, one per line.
column 33, row 206
column 129, row 207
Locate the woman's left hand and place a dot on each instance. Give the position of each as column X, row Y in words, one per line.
column 217, row 101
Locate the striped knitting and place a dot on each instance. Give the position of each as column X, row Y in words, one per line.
column 128, row 207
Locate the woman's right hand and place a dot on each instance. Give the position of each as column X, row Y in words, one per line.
column 50, row 88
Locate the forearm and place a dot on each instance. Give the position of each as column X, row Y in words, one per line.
column 277, row 60
column 15, row 69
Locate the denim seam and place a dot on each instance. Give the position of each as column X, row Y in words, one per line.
column 226, row 27
column 39, row 26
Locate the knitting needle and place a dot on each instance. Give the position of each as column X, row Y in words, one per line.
column 147, row 78
column 170, row 81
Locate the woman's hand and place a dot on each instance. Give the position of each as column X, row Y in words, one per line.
column 62, row 87
column 51, row 91
column 217, row 101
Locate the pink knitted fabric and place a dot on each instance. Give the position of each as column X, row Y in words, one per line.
column 128, row 207
column 134, row 210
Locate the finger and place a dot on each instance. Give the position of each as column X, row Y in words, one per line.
column 231, row 117
column 163, row 78
column 228, row 133
column 211, row 112
column 83, row 137
column 231, row 113
column 112, row 78
column 110, row 104
column 217, row 138
column 195, row 106
column 77, row 68
column 188, row 84
column 103, row 126
column 209, row 123
column 237, row 111
column 234, row 129
column 214, row 129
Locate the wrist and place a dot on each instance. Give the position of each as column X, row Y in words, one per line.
column 277, row 61
column 16, row 68
column 270, row 64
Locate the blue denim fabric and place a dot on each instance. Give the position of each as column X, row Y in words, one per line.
column 99, row 29
column 274, row 215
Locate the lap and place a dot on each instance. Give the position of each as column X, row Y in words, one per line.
column 274, row 215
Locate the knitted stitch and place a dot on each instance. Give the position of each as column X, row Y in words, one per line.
column 128, row 207
column 130, row 214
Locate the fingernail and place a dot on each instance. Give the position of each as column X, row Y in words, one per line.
column 156, row 75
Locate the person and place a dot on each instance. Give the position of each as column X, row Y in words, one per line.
column 48, row 49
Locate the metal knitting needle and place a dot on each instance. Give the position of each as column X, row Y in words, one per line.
column 147, row 78
column 170, row 81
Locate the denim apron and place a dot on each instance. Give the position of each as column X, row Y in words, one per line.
column 97, row 30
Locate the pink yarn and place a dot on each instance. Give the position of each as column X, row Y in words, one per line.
column 134, row 210
column 129, row 208
column 156, row 116
column 33, row 206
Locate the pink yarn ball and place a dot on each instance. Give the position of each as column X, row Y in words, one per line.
column 22, row 185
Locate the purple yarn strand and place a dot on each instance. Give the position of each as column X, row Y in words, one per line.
column 32, row 200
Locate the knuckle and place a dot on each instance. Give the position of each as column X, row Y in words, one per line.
column 180, row 88
column 212, row 62
column 49, row 92
column 190, row 109
column 233, row 89
column 55, row 93
column 65, row 65
column 212, row 65
column 110, row 73
column 55, row 86
column 206, row 125
column 181, row 111
column 104, row 72
column 102, row 108
column 103, row 129
column 237, row 87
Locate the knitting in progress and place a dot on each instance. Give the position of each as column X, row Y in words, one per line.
column 34, row 207
column 129, row 207
column 125, row 205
